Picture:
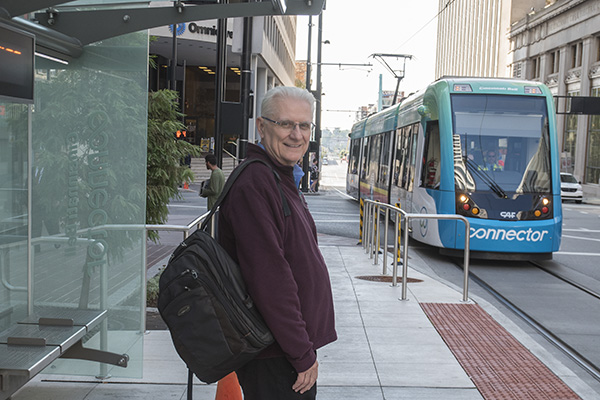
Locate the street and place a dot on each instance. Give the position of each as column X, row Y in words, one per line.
column 552, row 297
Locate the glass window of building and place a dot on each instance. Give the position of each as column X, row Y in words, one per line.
column 535, row 68
column 576, row 55
column 554, row 62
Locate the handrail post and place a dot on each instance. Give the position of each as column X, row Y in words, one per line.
column 395, row 263
column 365, row 241
column 376, row 231
column 405, row 257
column 368, row 229
column 466, row 260
column 360, row 225
column 385, row 240
column 372, row 238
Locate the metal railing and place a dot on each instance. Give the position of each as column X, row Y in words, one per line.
column 185, row 229
column 371, row 239
column 60, row 239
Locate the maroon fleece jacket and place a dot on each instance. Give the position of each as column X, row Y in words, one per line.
column 280, row 260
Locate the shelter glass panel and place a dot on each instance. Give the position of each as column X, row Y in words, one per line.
column 13, row 212
column 89, row 146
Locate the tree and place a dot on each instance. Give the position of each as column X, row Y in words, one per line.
column 165, row 153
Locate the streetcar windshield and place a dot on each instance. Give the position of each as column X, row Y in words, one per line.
column 501, row 144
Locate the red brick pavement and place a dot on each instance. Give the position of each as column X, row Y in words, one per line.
column 500, row 366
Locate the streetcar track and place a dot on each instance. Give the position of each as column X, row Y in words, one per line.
column 567, row 280
column 573, row 354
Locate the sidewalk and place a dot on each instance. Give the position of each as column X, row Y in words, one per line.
column 432, row 346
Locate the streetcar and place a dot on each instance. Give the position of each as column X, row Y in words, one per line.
column 482, row 148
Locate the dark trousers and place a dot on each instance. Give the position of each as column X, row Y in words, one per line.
column 271, row 379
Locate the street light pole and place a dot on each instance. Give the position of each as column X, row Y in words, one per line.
column 319, row 94
column 305, row 162
column 220, row 84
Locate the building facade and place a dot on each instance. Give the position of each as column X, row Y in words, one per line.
column 471, row 37
column 559, row 45
column 556, row 42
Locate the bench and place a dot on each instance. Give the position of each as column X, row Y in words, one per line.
column 49, row 333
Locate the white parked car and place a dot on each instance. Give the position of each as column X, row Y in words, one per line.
column 570, row 188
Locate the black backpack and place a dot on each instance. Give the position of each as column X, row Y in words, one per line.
column 203, row 299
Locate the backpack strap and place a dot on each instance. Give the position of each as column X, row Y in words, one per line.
column 231, row 180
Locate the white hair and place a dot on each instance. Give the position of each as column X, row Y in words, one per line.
column 269, row 102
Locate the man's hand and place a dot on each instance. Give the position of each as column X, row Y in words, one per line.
column 306, row 379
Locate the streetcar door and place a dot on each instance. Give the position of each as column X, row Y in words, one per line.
column 408, row 178
column 424, row 196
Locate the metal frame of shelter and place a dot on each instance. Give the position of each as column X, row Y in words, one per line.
column 64, row 31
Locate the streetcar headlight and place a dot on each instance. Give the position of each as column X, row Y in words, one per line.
column 463, row 199
column 545, row 201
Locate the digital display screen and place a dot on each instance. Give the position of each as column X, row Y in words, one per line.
column 16, row 64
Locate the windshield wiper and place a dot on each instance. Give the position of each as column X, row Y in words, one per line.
column 471, row 165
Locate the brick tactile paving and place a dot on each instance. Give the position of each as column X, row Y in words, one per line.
column 500, row 366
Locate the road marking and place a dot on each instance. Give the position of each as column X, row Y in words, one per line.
column 568, row 253
column 343, row 194
column 581, row 238
column 582, row 230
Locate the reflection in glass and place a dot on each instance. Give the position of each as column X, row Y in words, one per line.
column 13, row 212
column 88, row 194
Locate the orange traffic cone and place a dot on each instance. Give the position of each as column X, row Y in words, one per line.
column 228, row 388
column 185, row 185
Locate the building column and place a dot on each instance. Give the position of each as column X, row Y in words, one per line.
column 253, row 136
column 583, row 121
column 562, row 91
column 261, row 89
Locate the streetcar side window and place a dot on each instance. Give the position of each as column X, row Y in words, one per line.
column 398, row 157
column 364, row 169
column 374, row 157
column 413, row 155
column 409, row 159
column 405, row 156
column 430, row 177
column 384, row 165
column 354, row 157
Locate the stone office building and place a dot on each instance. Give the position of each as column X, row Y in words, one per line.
column 556, row 42
column 559, row 45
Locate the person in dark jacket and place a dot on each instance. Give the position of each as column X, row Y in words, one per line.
column 279, row 257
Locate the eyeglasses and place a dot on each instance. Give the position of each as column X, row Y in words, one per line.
column 291, row 125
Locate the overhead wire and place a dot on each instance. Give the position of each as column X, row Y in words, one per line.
column 427, row 23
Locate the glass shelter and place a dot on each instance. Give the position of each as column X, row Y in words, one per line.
column 72, row 188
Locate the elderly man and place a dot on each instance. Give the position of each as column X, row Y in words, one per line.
column 279, row 255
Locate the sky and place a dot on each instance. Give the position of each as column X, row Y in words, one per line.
column 358, row 28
